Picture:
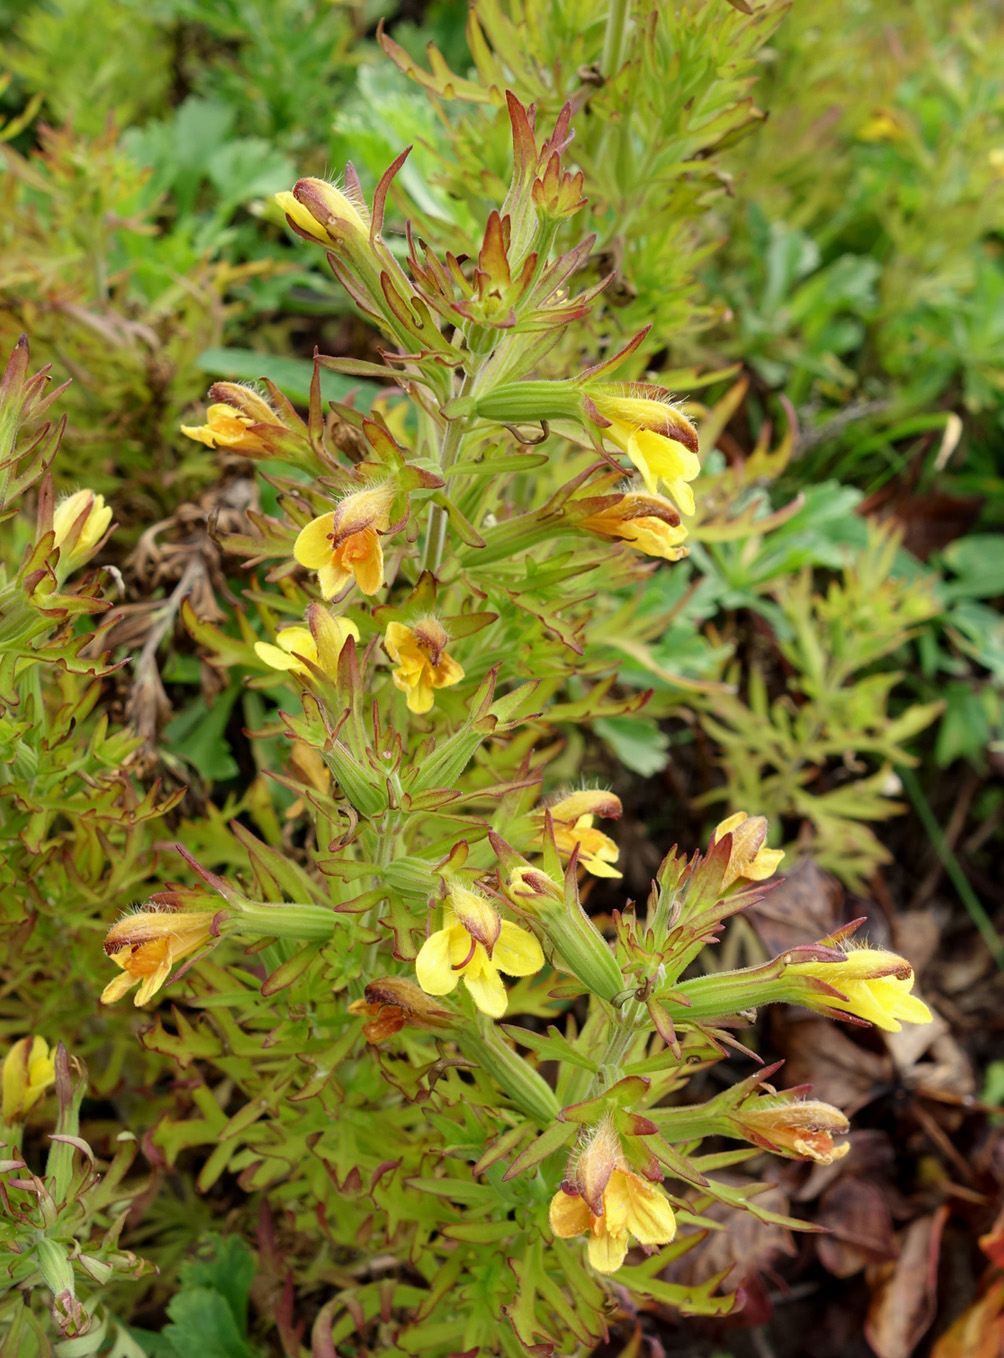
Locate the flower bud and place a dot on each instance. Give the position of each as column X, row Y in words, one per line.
column 581, row 947
column 79, row 523
column 29, row 1069
column 54, row 1267
column 325, row 215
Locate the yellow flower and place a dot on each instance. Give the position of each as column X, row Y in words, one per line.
column 476, row 943
column 228, row 428
column 29, row 1069
column 79, row 523
column 346, row 542
column 297, row 644
column 882, row 125
column 324, row 214
column 874, row 985
column 648, row 522
column 423, row 663
column 611, row 1202
column 147, row 945
column 572, row 817
column 659, row 440
column 750, row 858
column 802, row 1127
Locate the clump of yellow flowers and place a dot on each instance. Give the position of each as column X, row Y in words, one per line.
column 448, row 598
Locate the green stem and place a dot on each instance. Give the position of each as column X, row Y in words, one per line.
column 614, row 38
column 283, row 919
column 435, row 540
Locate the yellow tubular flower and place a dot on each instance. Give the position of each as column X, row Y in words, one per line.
column 228, row 428
column 29, row 1069
column 320, row 212
column 79, row 523
column 423, row 663
column 804, row 1128
column 659, row 440
column 648, row 522
column 572, row 817
column 750, row 858
column 476, row 943
column 147, row 945
column 346, row 542
column 874, row 985
column 612, row 1203
column 294, row 642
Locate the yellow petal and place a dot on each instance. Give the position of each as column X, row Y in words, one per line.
column 649, row 1217
column 419, row 695
column 448, row 672
column 117, row 987
column 330, row 635
column 28, row 1071
column 486, row 987
column 149, row 985
column 432, row 965
column 332, row 579
column 368, row 564
column 598, row 867
column 568, row 1215
column 312, row 547
column 276, row 659
column 517, row 952
column 606, row 1250
column 395, row 637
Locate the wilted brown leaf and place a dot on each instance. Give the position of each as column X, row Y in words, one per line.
column 818, row 1053
column 804, row 906
column 857, row 1216
column 904, row 1294
column 979, row 1331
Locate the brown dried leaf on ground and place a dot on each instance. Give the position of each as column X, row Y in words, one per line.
column 856, row 1214
column 979, row 1331
column 805, row 905
column 904, row 1294
column 818, row 1052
